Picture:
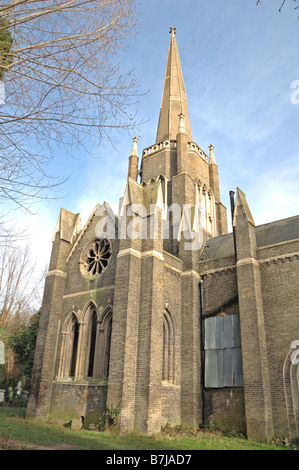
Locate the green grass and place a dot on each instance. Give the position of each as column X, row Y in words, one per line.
column 17, row 431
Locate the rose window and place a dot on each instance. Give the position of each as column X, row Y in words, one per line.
column 97, row 257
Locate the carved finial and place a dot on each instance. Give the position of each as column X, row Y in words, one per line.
column 134, row 148
column 172, row 31
column 212, row 156
column 182, row 127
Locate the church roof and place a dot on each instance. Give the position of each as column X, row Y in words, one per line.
column 219, row 247
column 174, row 98
column 273, row 233
column 277, row 232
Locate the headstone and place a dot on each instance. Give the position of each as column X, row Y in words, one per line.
column 10, row 393
column 19, row 389
column 2, row 358
column 76, row 424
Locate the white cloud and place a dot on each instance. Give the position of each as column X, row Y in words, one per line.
column 274, row 195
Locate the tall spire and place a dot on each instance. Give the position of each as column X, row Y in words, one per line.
column 174, row 99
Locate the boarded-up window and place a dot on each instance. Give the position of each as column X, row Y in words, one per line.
column 223, row 359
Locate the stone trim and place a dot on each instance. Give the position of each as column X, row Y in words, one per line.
column 281, row 258
column 152, row 253
column 245, row 261
column 56, row 272
column 172, row 268
column 129, row 251
column 273, row 245
column 138, row 254
column 216, row 271
column 192, row 273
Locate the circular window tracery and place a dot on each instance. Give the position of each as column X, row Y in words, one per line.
column 97, row 257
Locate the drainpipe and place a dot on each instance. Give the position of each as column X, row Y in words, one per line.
column 232, row 205
column 202, row 349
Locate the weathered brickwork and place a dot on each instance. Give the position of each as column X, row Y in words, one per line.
column 78, row 402
column 125, row 319
column 281, row 304
column 225, row 409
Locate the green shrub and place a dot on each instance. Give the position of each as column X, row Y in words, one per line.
column 109, row 419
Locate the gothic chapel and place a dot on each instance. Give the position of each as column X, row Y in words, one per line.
column 187, row 324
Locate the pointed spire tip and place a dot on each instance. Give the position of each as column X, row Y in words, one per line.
column 174, row 98
column 172, row 31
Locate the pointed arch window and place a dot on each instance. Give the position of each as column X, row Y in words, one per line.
column 168, row 348
column 69, row 347
column 88, row 340
column 104, row 344
column 75, row 334
column 85, row 350
column 163, row 180
column 205, row 204
column 92, row 336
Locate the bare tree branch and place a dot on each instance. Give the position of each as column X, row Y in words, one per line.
column 282, row 4
column 62, row 85
column 19, row 293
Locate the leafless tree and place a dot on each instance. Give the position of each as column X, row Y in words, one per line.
column 283, row 2
column 62, row 85
column 19, row 288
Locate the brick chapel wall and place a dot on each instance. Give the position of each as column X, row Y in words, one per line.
column 220, row 284
column 159, row 163
column 198, row 168
column 171, row 392
column 279, row 279
column 164, row 163
column 79, row 291
column 172, row 283
column 223, row 407
column 42, row 373
column 70, row 402
column 171, row 410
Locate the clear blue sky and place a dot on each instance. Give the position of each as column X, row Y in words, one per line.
column 238, row 62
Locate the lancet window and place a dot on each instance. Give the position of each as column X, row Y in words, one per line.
column 69, row 348
column 85, row 348
column 205, row 204
column 168, row 348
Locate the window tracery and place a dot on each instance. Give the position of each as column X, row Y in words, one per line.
column 85, row 348
column 96, row 257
